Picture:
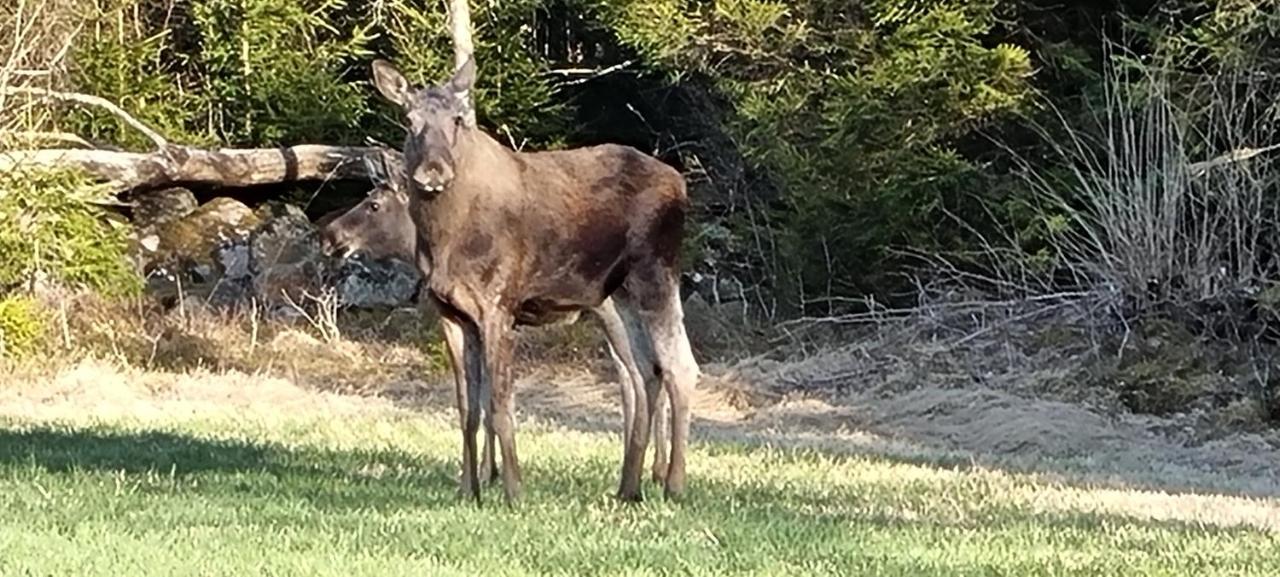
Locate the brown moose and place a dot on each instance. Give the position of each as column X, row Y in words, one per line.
column 379, row 227
column 504, row 235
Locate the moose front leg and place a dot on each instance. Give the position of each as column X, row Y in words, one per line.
column 497, row 340
column 464, row 354
column 489, row 460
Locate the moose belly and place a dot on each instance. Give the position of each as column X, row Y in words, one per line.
column 538, row 312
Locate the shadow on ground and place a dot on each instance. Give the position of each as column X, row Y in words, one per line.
column 391, row 480
column 328, row 479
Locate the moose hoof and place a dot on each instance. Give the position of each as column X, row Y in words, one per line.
column 635, row 496
column 469, row 490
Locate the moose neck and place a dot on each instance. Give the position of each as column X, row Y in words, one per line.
column 486, row 172
column 479, row 156
column 482, row 166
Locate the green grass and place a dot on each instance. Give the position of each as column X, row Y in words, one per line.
column 374, row 494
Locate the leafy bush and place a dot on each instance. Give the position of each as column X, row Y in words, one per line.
column 514, row 99
column 271, row 72
column 22, row 324
column 53, row 227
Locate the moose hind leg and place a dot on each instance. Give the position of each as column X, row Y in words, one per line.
column 647, row 383
column 635, row 415
column 489, row 461
column 661, row 419
column 679, row 372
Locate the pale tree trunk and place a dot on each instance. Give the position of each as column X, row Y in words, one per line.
column 463, row 47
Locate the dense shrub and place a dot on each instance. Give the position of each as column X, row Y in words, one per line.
column 516, row 101
column 53, row 229
column 236, row 72
column 270, row 72
column 22, row 325
column 855, row 112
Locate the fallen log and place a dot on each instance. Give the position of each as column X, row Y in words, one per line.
column 177, row 165
column 174, row 164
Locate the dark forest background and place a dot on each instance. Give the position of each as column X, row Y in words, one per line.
column 841, row 154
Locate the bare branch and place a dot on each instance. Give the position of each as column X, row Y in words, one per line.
column 1237, row 155
column 588, row 74
column 89, row 100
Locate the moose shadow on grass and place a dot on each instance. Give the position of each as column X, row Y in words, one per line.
column 325, row 478
column 340, row 481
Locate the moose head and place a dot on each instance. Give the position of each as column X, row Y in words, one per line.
column 437, row 116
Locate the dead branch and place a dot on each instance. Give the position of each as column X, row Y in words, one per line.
column 175, row 164
column 222, row 167
column 882, row 315
column 89, row 100
column 584, row 75
column 1230, row 157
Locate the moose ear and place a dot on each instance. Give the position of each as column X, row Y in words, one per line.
column 395, row 180
column 375, row 170
column 464, row 78
column 390, row 83
column 401, row 196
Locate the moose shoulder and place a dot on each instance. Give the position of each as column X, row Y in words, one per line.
column 503, row 232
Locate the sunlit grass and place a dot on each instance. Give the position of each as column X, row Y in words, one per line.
column 374, row 494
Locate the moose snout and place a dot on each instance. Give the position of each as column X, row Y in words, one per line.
column 333, row 246
column 432, row 176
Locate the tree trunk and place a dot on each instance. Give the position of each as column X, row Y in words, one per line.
column 463, row 47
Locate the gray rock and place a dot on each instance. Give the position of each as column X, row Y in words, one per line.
column 158, row 207
column 365, row 283
column 224, row 253
column 197, row 237
column 285, row 255
column 202, row 255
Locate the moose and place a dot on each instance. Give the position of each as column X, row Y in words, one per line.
column 379, row 227
column 505, row 235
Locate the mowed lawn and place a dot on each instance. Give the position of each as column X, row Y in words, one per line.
column 374, row 494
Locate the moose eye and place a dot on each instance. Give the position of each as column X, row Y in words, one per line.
column 375, row 206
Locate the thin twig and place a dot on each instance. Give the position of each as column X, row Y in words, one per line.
column 589, row 74
column 89, row 100
column 46, row 136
